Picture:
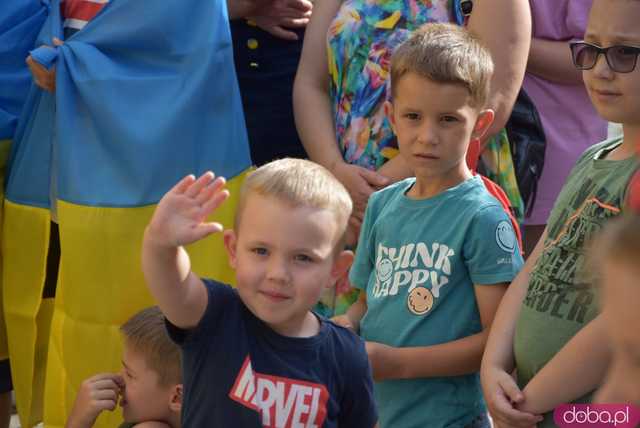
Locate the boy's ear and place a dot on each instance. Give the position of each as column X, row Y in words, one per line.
column 388, row 110
column 483, row 122
column 176, row 399
column 231, row 243
column 341, row 265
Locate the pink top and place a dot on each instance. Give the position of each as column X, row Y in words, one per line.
column 570, row 122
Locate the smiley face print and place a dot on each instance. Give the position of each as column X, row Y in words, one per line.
column 384, row 269
column 505, row 237
column 420, row 301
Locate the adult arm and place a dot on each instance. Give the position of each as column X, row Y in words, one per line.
column 458, row 357
column 577, row 369
column 552, row 61
column 313, row 111
column 504, row 26
column 311, row 102
column 500, row 390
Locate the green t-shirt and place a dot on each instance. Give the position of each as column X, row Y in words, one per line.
column 561, row 298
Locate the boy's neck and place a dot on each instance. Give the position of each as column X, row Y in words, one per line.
column 428, row 187
column 629, row 146
column 309, row 326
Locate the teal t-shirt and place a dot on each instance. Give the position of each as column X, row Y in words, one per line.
column 418, row 261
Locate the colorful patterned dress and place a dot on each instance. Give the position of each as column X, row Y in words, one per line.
column 360, row 41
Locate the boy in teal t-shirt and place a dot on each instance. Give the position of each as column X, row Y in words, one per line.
column 436, row 251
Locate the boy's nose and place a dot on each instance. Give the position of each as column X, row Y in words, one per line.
column 278, row 271
column 428, row 136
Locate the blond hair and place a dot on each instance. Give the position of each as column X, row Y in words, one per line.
column 445, row 53
column 146, row 333
column 298, row 182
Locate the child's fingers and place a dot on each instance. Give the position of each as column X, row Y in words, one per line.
column 119, row 380
column 102, row 376
column 504, row 412
column 511, row 390
column 214, row 202
column 183, row 184
column 202, row 181
column 209, row 191
column 106, row 384
column 205, row 229
column 105, row 394
column 106, row 404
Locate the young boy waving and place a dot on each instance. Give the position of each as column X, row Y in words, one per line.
column 256, row 356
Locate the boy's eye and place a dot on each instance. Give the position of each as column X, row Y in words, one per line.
column 412, row 116
column 260, row 251
column 449, row 118
column 303, row 258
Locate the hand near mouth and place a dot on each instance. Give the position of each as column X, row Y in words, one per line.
column 96, row 394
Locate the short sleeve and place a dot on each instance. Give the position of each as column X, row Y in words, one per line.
column 364, row 261
column 358, row 405
column 577, row 18
column 220, row 296
column 491, row 252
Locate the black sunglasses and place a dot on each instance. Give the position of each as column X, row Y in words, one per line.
column 621, row 58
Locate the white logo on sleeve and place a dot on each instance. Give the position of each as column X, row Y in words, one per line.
column 505, row 237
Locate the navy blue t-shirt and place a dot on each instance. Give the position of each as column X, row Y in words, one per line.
column 238, row 372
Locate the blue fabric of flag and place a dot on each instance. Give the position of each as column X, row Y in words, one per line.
column 20, row 22
column 145, row 94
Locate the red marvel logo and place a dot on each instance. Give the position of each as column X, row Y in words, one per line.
column 282, row 402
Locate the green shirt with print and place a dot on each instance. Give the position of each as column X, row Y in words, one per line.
column 561, row 298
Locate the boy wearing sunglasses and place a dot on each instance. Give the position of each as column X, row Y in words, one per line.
column 548, row 326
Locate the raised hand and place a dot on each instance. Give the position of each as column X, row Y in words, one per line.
column 180, row 216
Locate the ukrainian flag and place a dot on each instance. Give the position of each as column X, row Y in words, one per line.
column 145, row 94
column 20, row 22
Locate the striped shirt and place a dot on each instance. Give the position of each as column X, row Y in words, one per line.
column 77, row 13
